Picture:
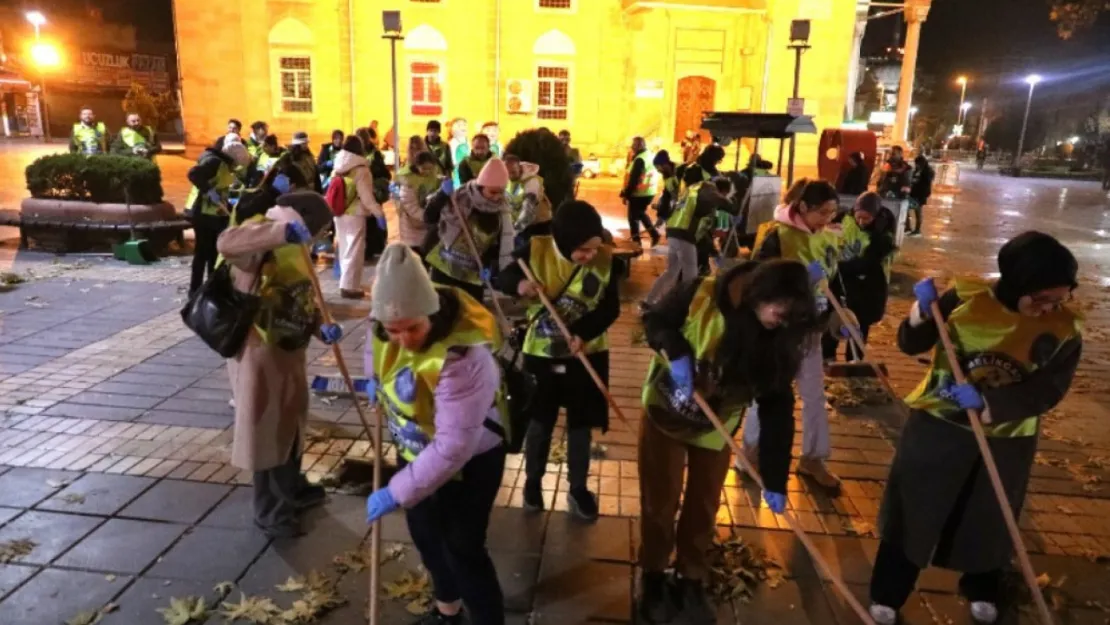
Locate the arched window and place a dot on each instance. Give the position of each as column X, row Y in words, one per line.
column 426, row 48
column 291, row 46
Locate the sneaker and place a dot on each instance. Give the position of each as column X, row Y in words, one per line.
column 696, row 608
column 435, row 617
column 533, row 496
column 310, row 497
column 352, row 293
column 582, row 504
column 984, row 612
column 815, row 469
column 883, row 615
column 657, row 599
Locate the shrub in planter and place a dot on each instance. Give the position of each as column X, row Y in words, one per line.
column 101, row 179
column 544, row 149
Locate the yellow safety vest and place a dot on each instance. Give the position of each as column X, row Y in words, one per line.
column 678, row 416
column 93, row 140
column 408, row 379
column 646, row 186
column 458, row 260
column 221, row 182
column 581, row 297
column 998, row 348
column 854, row 242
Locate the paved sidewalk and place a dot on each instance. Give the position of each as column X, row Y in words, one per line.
column 114, row 447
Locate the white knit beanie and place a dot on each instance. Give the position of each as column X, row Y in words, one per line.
column 402, row 288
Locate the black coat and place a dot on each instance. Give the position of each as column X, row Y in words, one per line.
column 861, row 282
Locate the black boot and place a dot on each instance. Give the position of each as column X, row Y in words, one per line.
column 657, row 600
column 697, row 609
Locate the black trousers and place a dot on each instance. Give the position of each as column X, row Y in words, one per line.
column 894, row 578
column 829, row 344
column 637, row 214
column 449, row 530
column 204, row 254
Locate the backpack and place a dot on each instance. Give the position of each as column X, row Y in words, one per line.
column 336, row 196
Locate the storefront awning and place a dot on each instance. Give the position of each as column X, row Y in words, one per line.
column 713, row 6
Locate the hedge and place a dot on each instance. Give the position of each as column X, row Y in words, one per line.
column 99, row 178
column 543, row 148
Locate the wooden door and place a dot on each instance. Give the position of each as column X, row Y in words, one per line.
column 695, row 97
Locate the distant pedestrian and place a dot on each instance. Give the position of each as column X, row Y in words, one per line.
column 206, row 207
column 89, row 136
column 268, row 374
column 920, row 190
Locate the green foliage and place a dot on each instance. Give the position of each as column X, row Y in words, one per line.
column 154, row 108
column 544, row 149
column 98, row 178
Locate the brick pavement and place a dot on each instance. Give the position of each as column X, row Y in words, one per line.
column 115, row 423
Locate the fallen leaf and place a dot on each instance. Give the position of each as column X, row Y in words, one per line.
column 183, row 611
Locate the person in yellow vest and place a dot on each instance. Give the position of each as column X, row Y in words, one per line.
column 487, row 215
column 579, row 273
column 268, row 374
column 429, row 354
column 639, row 190
column 353, row 170
column 89, row 136
column 471, row 166
column 733, row 338
column 531, row 207
column 135, row 139
column 418, row 183
column 863, row 272
column 207, row 204
column 1019, row 344
column 799, row 233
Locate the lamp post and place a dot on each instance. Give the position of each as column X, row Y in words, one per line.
column 391, row 23
column 799, row 43
column 42, row 59
column 962, row 82
column 1032, row 81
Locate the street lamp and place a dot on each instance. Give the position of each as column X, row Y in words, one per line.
column 1031, row 80
column 391, row 24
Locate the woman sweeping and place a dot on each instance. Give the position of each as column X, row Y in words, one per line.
column 268, row 375
column 429, row 355
column 581, row 277
column 734, row 338
column 1019, row 345
column 799, row 233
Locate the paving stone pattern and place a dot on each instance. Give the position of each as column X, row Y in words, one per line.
column 115, row 442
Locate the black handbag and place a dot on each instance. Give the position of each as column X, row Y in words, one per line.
column 220, row 314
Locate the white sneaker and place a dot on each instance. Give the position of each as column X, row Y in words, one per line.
column 883, row 615
column 984, row 612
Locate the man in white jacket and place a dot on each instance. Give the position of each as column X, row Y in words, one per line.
column 353, row 170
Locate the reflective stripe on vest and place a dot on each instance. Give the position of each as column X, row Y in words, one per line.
column 646, row 185
column 580, row 298
column 998, row 348
column 673, row 413
column 408, row 379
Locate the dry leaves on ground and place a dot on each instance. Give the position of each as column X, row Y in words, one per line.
column 737, row 568
column 414, row 588
column 12, row 550
column 183, row 611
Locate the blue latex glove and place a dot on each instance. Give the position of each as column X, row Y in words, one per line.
column 926, row 293
column 282, row 183
column 296, row 232
column 775, row 501
column 963, row 395
column 379, row 504
column 682, row 372
column 486, row 274
column 331, row 333
column 381, row 223
column 448, row 186
column 816, row 272
column 215, row 197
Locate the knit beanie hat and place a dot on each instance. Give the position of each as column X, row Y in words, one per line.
column 402, row 288
column 575, row 223
column 1031, row 262
column 494, row 174
column 661, row 158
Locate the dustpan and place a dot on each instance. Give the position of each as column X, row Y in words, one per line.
column 135, row 251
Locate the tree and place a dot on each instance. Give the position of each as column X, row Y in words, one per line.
column 1072, row 15
column 154, row 108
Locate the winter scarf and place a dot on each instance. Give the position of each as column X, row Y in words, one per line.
column 469, row 199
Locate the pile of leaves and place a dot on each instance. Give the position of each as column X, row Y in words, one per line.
column 414, row 589
column 857, row 392
column 737, row 568
column 12, row 550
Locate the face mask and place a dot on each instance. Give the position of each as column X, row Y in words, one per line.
column 281, row 183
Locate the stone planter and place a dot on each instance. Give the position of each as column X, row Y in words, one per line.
column 62, row 226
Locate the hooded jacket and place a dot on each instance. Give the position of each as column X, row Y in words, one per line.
column 349, row 164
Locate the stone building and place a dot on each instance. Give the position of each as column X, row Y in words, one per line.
column 604, row 69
